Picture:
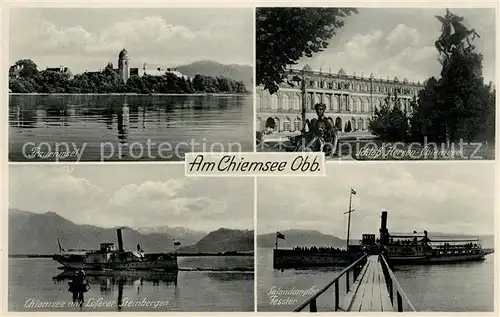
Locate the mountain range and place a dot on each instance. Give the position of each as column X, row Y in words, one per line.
column 38, row 233
column 236, row 72
column 184, row 235
column 301, row 238
column 223, row 240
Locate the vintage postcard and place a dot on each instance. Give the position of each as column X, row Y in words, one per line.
column 96, row 238
column 249, row 158
column 377, row 83
column 378, row 237
column 114, row 84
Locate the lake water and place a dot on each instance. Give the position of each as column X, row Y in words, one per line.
column 38, row 281
column 463, row 287
column 111, row 127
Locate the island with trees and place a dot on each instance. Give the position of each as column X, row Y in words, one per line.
column 107, row 81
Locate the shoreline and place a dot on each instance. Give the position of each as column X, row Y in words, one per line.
column 122, row 94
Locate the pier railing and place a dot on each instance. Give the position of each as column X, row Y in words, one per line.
column 394, row 288
column 351, row 273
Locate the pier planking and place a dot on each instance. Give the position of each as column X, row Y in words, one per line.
column 369, row 292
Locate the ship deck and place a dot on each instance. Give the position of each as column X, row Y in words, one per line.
column 369, row 291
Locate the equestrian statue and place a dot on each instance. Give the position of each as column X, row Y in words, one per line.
column 448, row 41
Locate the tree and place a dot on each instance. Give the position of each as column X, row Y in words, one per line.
column 389, row 123
column 20, row 85
column 135, row 84
column 284, row 35
column 199, row 83
column 425, row 117
column 223, row 85
column 109, row 81
column 28, row 67
column 458, row 105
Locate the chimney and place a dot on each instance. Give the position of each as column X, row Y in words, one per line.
column 383, row 222
column 120, row 239
column 384, row 233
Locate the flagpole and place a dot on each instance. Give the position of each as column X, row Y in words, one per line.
column 349, row 218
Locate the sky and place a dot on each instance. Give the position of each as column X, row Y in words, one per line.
column 399, row 42
column 147, row 195
column 457, row 197
column 87, row 39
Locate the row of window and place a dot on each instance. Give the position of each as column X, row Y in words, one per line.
column 288, row 126
column 459, row 252
column 418, row 249
column 360, row 87
column 287, row 104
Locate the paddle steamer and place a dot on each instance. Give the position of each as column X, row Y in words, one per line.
column 415, row 248
column 110, row 258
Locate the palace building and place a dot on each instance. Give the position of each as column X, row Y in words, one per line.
column 350, row 99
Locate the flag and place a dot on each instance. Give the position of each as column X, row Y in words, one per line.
column 177, row 243
column 353, row 191
column 279, row 235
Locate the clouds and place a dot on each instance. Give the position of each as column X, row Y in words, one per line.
column 359, row 46
column 400, row 43
column 437, row 197
column 133, row 197
column 402, row 36
column 156, row 36
column 55, row 189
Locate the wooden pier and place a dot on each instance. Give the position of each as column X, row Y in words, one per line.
column 370, row 285
column 369, row 291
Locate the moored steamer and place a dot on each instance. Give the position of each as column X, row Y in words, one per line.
column 416, row 248
column 420, row 249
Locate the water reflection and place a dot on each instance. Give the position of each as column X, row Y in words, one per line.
column 190, row 290
column 110, row 282
column 224, row 277
column 127, row 120
column 113, row 278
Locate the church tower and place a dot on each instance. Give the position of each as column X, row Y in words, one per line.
column 123, row 65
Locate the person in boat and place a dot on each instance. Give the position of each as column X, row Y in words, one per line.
column 78, row 286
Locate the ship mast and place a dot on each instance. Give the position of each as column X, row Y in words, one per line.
column 351, row 192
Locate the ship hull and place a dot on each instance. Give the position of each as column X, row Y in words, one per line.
column 436, row 259
column 289, row 259
column 168, row 264
column 293, row 259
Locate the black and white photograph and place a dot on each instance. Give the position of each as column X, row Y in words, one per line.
column 378, row 237
column 104, row 237
column 376, row 83
column 129, row 84
column 197, row 157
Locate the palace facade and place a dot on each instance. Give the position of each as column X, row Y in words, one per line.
column 350, row 100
